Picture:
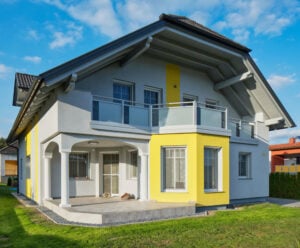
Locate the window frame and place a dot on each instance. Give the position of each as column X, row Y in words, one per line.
column 219, row 173
column 163, row 176
column 248, row 165
column 131, row 85
column 87, row 177
column 156, row 90
column 130, row 166
column 189, row 99
column 211, row 103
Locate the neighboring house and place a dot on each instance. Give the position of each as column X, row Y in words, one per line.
column 286, row 157
column 8, row 163
column 173, row 112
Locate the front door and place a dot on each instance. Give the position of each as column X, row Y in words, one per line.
column 111, row 173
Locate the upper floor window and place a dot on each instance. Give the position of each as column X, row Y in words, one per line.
column 152, row 96
column 123, row 91
column 189, row 99
column 78, row 165
column 210, row 103
column 244, row 165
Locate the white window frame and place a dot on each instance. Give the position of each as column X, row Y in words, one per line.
column 88, row 172
column 130, row 166
column 249, row 165
column 219, row 168
column 190, row 97
column 163, row 162
column 126, row 83
column 156, row 90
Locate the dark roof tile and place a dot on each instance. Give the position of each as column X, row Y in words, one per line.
column 24, row 81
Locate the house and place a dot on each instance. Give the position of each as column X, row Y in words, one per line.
column 8, row 163
column 172, row 112
column 286, row 157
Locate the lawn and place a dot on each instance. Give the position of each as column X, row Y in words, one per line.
column 262, row 225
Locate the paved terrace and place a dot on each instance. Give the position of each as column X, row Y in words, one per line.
column 104, row 211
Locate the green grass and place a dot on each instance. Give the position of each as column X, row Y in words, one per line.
column 262, row 225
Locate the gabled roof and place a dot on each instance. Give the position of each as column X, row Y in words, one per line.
column 10, row 149
column 178, row 40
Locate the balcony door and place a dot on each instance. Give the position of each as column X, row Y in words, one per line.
column 152, row 96
column 124, row 91
column 111, row 173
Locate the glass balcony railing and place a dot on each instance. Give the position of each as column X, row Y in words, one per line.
column 241, row 129
column 161, row 115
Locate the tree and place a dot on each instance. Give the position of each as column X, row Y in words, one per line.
column 2, row 142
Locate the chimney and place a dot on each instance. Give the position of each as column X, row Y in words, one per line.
column 292, row 140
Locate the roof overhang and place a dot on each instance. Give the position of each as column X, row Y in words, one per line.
column 226, row 63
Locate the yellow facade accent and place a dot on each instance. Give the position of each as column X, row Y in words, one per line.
column 28, row 190
column 194, row 192
column 28, row 144
column 172, row 83
column 36, row 162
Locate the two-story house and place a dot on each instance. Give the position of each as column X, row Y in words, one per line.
column 173, row 112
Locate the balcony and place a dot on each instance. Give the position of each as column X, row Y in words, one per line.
column 158, row 118
column 241, row 129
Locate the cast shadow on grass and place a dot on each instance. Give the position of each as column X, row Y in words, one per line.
column 13, row 233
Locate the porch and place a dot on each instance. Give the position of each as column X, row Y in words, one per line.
column 110, row 211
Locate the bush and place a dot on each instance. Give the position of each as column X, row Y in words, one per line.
column 9, row 182
column 284, row 185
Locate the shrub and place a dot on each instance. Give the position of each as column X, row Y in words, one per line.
column 284, row 185
column 9, row 181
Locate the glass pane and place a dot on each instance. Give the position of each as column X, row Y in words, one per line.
column 210, row 168
column 115, row 184
column 115, row 168
column 169, row 175
column 106, row 184
column 106, row 168
column 95, row 110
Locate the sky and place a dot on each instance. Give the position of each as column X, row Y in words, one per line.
column 37, row 35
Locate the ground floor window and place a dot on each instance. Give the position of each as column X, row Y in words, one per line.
column 78, row 165
column 132, row 165
column 211, row 168
column 174, row 168
column 244, row 165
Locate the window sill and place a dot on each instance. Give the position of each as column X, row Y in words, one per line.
column 212, row 191
column 245, row 178
column 174, row 191
column 80, row 179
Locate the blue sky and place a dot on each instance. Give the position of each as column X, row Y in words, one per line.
column 37, row 35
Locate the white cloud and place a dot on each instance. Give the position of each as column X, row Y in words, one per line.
column 242, row 18
column 33, row 59
column 277, row 81
column 64, row 38
column 5, row 71
column 33, row 34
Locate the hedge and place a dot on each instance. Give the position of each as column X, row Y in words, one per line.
column 285, row 185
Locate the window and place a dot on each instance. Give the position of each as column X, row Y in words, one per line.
column 211, row 170
column 95, row 113
column 132, row 165
column 124, row 91
column 237, row 129
column 78, row 165
column 174, row 168
column 244, row 165
column 189, row 99
column 21, row 169
column 210, row 103
column 27, row 167
column 152, row 96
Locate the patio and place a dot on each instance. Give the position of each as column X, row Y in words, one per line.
column 108, row 211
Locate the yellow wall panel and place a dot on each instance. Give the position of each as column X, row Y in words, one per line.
column 28, row 191
column 28, row 143
column 172, row 83
column 195, row 192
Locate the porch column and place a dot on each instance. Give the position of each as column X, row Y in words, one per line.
column 144, row 177
column 94, row 159
column 47, row 176
column 64, row 180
